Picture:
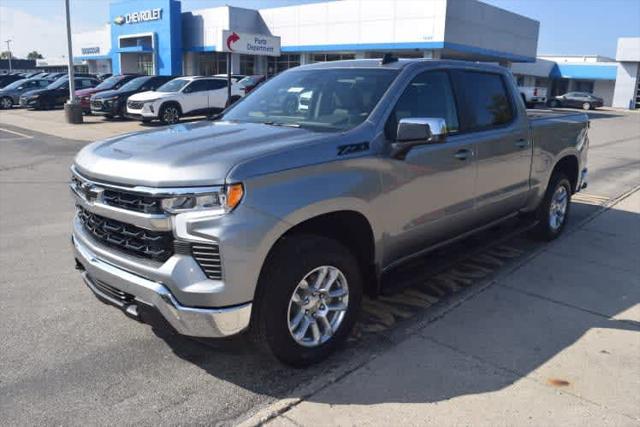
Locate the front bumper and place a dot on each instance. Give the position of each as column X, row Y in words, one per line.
column 127, row 291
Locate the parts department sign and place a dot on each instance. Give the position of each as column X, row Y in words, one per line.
column 249, row 44
column 140, row 16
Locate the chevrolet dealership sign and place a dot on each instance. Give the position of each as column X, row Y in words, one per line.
column 140, row 16
column 249, row 44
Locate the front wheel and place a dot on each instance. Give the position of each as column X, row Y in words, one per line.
column 6, row 103
column 586, row 106
column 554, row 103
column 170, row 114
column 553, row 212
column 308, row 300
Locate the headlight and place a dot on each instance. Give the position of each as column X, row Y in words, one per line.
column 227, row 198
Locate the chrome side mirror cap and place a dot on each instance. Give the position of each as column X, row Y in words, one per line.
column 418, row 131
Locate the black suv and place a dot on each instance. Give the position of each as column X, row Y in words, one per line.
column 113, row 103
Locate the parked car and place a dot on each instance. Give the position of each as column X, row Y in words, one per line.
column 113, row 103
column 6, row 79
column 248, row 83
column 235, row 77
column 277, row 219
column 532, row 95
column 10, row 94
column 584, row 100
column 181, row 97
column 56, row 94
column 112, row 83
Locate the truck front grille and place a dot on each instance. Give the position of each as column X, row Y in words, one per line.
column 132, row 202
column 208, row 258
column 135, row 105
column 155, row 245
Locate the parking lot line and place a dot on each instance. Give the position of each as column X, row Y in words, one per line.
column 21, row 135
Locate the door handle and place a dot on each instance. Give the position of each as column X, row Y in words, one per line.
column 522, row 143
column 463, row 154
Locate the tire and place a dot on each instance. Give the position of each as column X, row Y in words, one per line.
column 146, row 121
column 554, row 103
column 170, row 114
column 273, row 326
column 6, row 103
column 548, row 227
column 108, row 117
column 586, row 106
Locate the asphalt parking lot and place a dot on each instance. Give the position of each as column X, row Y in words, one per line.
column 69, row 359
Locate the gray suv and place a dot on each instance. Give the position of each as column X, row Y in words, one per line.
column 10, row 94
column 278, row 216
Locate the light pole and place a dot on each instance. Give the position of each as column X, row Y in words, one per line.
column 9, row 50
column 72, row 109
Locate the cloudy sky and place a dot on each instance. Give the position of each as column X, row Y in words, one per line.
column 578, row 27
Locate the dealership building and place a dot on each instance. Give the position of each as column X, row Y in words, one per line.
column 158, row 37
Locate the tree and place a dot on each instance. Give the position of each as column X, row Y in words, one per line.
column 6, row 55
column 34, row 55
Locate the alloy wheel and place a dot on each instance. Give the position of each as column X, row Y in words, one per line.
column 318, row 306
column 171, row 115
column 558, row 207
column 6, row 103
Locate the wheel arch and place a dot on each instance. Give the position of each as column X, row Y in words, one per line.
column 170, row 102
column 568, row 165
column 351, row 228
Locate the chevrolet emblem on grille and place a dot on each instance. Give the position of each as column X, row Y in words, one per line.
column 89, row 191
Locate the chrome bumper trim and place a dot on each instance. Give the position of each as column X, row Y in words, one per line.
column 198, row 322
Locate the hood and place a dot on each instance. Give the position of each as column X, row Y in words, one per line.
column 4, row 91
column 109, row 94
column 35, row 92
column 194, row 154
column 87, row 92
column 149, row 95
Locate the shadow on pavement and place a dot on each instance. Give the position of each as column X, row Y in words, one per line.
column 516, row 335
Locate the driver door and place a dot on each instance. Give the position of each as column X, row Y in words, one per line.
column 428, row 195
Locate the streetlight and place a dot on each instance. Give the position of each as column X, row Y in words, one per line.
column 72, row 109
column 9, row 50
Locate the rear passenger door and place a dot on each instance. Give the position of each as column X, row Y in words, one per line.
column 218, row 94
column 195, row 99
column 503, row 149
column 428, row 195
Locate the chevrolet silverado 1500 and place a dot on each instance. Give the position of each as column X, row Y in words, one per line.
column 277, row 216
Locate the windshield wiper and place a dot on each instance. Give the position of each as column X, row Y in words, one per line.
column 291, row 125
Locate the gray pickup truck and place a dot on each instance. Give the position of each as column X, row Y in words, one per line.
column 277, row 216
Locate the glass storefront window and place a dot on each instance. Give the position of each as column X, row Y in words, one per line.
column 325, row 57
column 212, row 63
column 281, row 63
column 145, row 64
column 247, row 64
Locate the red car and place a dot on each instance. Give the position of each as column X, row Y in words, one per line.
column 112, row 83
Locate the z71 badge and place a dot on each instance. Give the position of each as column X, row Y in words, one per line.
column 352, row 148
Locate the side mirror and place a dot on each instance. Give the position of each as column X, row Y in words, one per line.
column 418, row 131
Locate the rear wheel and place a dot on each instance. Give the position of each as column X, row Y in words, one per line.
column 308, row 299
column 6, row 103
column 553, row 212
column 554, row 103
column 170, row 114
column 586, row 106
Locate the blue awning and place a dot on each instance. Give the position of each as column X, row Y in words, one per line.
column 585, row 71
column 135, row 49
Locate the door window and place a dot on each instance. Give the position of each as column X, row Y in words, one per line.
column 429, row 95
column 486, row 99
column 217, row 84
column 197, row 86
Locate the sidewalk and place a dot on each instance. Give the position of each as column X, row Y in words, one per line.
column 556, row 342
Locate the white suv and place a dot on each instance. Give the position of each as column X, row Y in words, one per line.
column 183, row 96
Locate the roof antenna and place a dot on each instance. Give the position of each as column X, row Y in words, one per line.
column 388, row 58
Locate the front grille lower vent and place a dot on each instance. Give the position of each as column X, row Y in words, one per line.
column 112, row 292
column 155, row 245
column 208, row 257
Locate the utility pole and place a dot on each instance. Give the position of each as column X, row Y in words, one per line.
column 72, row 109
column 9, row 50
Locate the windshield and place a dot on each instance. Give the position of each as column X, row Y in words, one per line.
column 173, row 85
column 135, row 84
column 15, row 84
column 109, row 83
column 327, row 99
column 61, row 82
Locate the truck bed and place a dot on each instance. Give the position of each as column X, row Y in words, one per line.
column 537, row 115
